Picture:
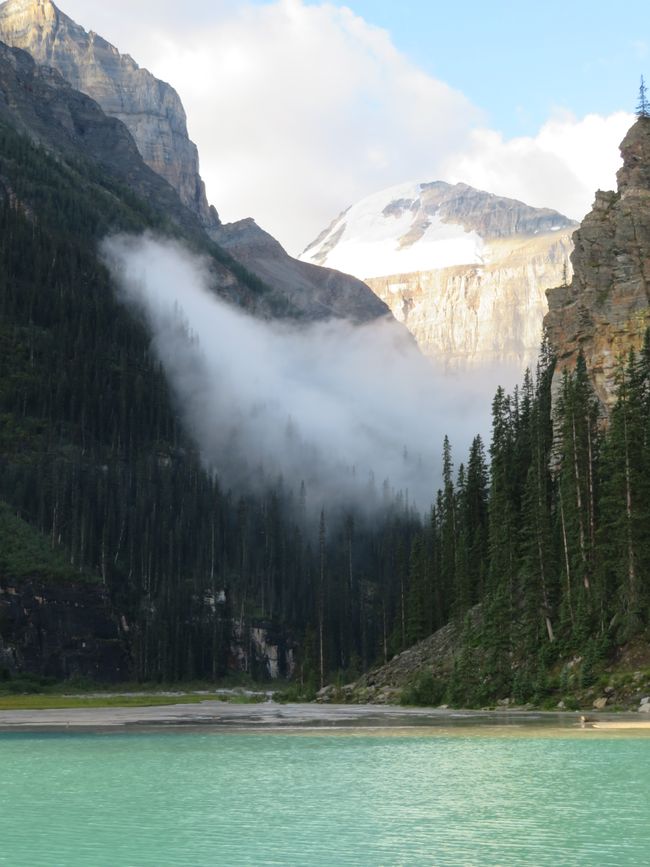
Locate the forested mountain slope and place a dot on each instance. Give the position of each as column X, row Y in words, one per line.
column 549, row 539
column 553, row 541
column 93, row 455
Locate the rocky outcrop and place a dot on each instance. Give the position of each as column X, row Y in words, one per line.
column 315, row 292
column 478, row 315
column 68, row 629
column 605, row 310
column 59, row 630
column 384, row 685
column 262, row 650
column 58, row 116
column 464, row 270
column 150, row 109
column 39, row 103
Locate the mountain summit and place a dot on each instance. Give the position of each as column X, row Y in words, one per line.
column 418, row 227
column 150, row 109
column 466, row 271
column 153, row 114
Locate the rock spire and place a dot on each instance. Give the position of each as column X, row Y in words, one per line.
column 605, row 309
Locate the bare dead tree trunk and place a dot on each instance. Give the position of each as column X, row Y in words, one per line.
column 581, row 527
column 566, row 556
column 631, row 567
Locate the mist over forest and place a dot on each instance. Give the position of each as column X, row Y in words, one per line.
column 353, row 411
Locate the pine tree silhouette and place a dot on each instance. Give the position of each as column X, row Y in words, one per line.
column 643, row 106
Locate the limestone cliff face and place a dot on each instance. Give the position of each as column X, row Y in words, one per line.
column 606, row 308
column 471, row 315
column 466, row 271
column 149, row 108
column 38, row 102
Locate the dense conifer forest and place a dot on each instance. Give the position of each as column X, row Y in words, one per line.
column 94, row 457
column 537, row 542
column 551, row 540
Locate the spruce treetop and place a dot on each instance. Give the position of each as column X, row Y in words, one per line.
column 643, row 106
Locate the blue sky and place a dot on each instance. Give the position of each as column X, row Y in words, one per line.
column 302, row 107
column 521, row 61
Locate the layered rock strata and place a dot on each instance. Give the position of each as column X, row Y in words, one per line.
column 477, row 315
column 466, row 271
column 150, row 109
column 605, row 310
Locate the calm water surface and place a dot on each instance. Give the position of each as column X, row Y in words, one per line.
column 216, row 798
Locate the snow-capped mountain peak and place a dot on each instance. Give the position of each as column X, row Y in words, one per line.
column 466, row 271
column 423, row 226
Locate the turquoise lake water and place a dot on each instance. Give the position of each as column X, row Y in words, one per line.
column 216, row 798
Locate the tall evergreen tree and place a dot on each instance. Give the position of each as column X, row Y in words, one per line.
column 448, row 532
column 626, row 497
column 577, row 417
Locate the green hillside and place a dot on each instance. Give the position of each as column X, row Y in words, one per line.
column 26, row 553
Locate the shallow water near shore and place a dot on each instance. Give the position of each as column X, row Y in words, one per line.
column 470, row 795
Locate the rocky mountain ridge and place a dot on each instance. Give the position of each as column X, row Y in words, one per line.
column 464, row 270
column 605, row 310
column 38, row 102
column 316, row 291
column 152, row 112
column 150, row 109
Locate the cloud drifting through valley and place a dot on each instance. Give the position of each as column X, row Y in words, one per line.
column 331, row 403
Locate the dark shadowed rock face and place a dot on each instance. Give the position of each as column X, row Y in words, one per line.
column 38, row 102
column 134, row 127
column 318, row 293
column 150, row 109
column 60, row 630
column 605, row 310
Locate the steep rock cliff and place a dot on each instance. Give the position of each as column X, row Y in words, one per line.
column 38, row 102
column 464, row 270
column 605, row 310
column 59, row 630
column 315, row 292
column 471, row 315
column 152, row 112
column 150, row 109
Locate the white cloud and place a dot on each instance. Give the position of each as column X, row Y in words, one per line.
column 132, row 27
column 298, row 111
column 301, row 110
column 561, row 167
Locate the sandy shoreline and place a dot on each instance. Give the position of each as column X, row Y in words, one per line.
column 290, row 717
